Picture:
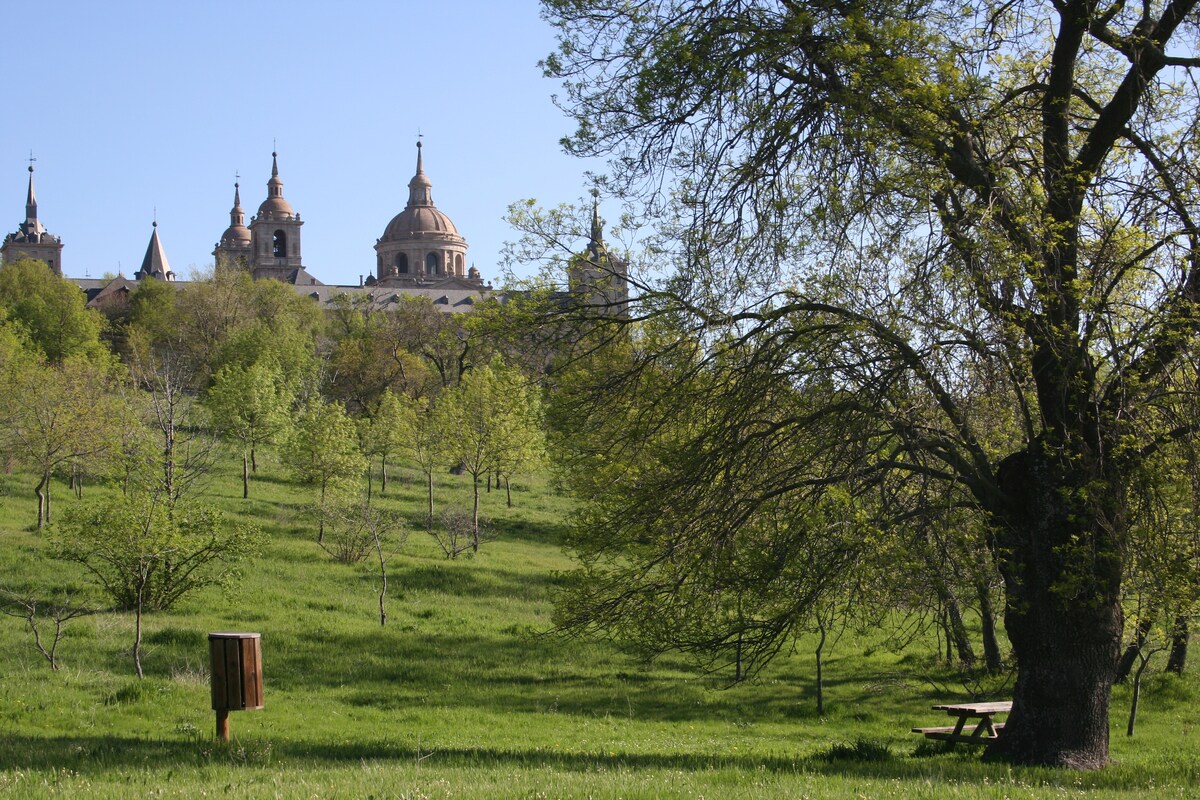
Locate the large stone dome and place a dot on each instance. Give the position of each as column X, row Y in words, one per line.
column 418, row 222
column 420, row 243
column 236, row 236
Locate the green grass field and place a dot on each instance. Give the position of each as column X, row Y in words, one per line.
column 462, row 696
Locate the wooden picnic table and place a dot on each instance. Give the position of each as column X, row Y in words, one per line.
column 984, row 731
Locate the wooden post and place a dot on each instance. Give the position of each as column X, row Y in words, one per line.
column 236, row 675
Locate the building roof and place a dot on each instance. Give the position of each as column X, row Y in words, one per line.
column 154, row 263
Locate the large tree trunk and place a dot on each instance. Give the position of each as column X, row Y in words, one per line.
column 1057, row 545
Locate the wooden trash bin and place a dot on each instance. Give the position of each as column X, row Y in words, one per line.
column 236, row 675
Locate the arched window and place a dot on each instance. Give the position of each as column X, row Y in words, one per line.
column 279, row 244
column 402, row 263
column 458, row 264
column 431, row 264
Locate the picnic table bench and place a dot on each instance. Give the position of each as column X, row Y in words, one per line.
column 984, row 731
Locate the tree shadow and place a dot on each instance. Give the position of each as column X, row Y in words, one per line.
column 95, row 754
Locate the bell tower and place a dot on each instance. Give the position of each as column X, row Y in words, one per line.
column 31, row 240
column 275, row 232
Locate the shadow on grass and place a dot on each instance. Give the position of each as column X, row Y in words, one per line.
column 86, row 755
column 521, row 673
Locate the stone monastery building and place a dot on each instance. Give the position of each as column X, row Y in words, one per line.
column 420, row 252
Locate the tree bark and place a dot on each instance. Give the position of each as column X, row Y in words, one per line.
column 383, row 475
column 1177, row 659
column 245, row 477
column 1058, row 549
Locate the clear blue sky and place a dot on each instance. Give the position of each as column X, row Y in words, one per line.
column 133, row 107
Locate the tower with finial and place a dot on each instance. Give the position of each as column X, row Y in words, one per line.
column 234, row 248
column 420, row 245
column 31, row 239
column 274, row 232
column 596, row 275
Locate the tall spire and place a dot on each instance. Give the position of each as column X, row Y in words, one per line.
column 31, row 240
column 420, row 190
column 596, row 247
column 275, row 185
column 31, row 215
column 236, row 215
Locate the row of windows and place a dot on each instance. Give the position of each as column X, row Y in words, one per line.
column 432, row 264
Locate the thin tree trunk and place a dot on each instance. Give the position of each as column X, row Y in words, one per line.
column 245, row 477
column 42, row 491
column 821, row 668
column 383, row 474
column 956, row 629
column 1177, row 659
column 321, row 517
column 508, row 491
column 429, row 513
column 382, row 581
column 962, row 640
column 1137, row 691
column 137, row 628
column 1125, row 665
column 253, row 460
column 475, row 515
column 992, row 659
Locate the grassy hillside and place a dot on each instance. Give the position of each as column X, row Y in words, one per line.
column 461, row 694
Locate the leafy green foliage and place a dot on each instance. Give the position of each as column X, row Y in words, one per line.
column 322, row 446
column 950, row 252
column 51, row 311
column 146, row 554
